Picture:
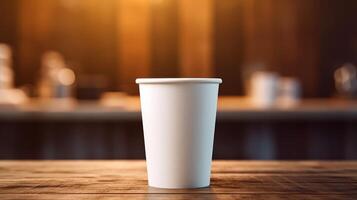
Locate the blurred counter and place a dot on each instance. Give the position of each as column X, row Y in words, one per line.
column 229, row 108
column 112, row 129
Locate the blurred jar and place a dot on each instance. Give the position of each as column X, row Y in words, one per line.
column 263, row 88
column 57, row 80
column 8, row 94
column 346, row 80
column 6, row 73
column 289, row 91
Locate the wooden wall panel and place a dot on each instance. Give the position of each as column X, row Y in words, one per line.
column 34, row 25
column 338, row 37
column 83, row 33
column 287, row 31
column 229, row 45
column 283, row 36
column 8, row 30
column 86, row 34
column 196, row 37
column 134, row 42
column 8, row 10
column 298, row 42
column 309, row 47
column 164, row 50
column 259, row 32
column 125, row 39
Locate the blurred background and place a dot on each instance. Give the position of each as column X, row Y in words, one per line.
column 68, row 69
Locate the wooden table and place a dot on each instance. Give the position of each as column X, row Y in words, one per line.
column 127, row 180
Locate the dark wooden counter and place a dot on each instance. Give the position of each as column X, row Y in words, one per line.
column 127, row 180
column 229, row 108
column 98, row 130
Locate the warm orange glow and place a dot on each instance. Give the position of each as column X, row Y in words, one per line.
column 66, row 76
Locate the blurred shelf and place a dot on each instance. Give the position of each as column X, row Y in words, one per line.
column 229, row 108
column 238, row 108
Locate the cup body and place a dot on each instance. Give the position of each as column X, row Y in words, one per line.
column 179, row 122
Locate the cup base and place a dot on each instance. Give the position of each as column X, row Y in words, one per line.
column 178, row 187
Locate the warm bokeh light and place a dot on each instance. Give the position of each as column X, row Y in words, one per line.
column 66, row 76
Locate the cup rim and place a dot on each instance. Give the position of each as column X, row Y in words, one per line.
column 177, row 80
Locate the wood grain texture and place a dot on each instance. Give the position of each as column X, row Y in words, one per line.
column 307, row 39
column 283, row 36
column 127, row 180
column 79, row 31
column 35, row 21
column 196, row 37
column 164, row 33
column 229, row 45
column 134, row 42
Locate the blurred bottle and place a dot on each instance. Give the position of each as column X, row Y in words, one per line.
column 8, row 94
column 6, row 73
column 289, row 91
column 346, row 80
column 57, row 80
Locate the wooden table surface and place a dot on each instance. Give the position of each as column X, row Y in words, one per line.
column 127, row 180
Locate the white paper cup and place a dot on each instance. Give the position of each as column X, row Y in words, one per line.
column 179, row 117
